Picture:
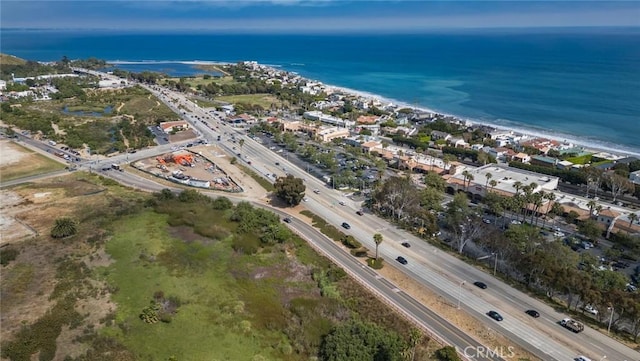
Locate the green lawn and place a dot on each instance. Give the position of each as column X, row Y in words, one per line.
column 583, row 159
column 264, row 100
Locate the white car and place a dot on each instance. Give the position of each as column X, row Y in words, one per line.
column 590, row 309
column 558, row 234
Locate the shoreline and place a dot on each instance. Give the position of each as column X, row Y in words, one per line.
column 591, row 145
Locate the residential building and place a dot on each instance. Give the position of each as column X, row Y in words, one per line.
column 635, row 177
column 437, row 135
column 606, row 216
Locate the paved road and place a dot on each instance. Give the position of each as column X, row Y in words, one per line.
column 437, row 270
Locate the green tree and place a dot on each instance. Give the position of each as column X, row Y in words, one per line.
column 241, row 143
column 632, row 218
column 447, row 353
column 358, row 341
column 434, row 180
column 290, row 189
column 590, row 229
column 64, row 227
column 377, row 239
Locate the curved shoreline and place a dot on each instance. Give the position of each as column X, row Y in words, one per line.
column 594, row 145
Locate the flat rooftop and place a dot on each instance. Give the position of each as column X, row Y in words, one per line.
column 507, row 178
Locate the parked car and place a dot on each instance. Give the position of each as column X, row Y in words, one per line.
column 345, row 225
column 480, row 285
column 590, row 309
column 532, row 313
column 495, row 315
column 406, row 244
column 402, row 260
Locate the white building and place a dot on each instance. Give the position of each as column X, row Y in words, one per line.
column 3, row 85
column 509, row 181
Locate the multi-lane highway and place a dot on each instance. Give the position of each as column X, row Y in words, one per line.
column 440, row 272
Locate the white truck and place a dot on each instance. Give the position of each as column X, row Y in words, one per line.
column 572, row 325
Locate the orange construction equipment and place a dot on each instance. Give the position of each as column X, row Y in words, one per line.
column 183, row 159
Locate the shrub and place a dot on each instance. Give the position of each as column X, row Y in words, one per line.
column 350, row 242
column 447, row 353
column 245, row 244
column 7, row 255
column 360, row 252
column 375, row 263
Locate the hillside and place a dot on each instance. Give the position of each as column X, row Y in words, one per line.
column 6, row 59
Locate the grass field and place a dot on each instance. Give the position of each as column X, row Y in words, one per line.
column 264, row 100
column 28, row 162
column 200, row 80
column 6, row 59
column 201, row 329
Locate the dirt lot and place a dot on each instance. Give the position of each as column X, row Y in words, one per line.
column 17, row 162
column 27, row 282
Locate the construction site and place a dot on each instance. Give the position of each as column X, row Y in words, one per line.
column 188, row 168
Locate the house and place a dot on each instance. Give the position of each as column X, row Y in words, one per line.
column 457, row 142
column 169, row 127
column 228, row 108
column 564, row 164
column 543, row 161
column 437, row 135
column 368, row 147
column 635, row 177
column 521, row 157
column 606, row 216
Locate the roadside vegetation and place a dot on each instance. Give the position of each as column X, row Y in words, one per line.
column 152, row 277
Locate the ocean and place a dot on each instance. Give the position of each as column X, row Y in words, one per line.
column 579, row 84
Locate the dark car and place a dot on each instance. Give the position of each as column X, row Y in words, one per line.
column 406, row 244
column 532, row 313
column 480, row 285
column 277, row 163
column 359, row 213
column 345, row 225
column 495, row 315
column 402, row 260
column 287, row 220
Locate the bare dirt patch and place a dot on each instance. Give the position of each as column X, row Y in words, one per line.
column 11, row 153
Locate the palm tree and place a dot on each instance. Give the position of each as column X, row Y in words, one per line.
column 517, row 185
column 377, row 238
column 433, row 156
column 489, row 176
column 592, row 205
column 632, row 218
column 241, row 143
column 550, row 197
column 64, row 227
column 493, row 183
column 468, row 177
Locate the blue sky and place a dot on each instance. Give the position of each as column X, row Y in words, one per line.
column 313, row 15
